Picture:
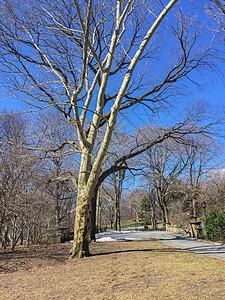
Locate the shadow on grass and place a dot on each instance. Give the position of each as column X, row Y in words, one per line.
column 26, row 258
column 59, row 256
column 163, row 250
column 207, row 250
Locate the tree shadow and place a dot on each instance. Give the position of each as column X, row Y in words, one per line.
column 207, row 249
column 162, row 250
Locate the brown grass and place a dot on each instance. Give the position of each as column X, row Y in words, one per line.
column 117, row 270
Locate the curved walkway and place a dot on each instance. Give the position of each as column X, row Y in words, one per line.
column 174, row 240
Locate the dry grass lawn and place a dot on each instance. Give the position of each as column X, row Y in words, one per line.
column 117, row 270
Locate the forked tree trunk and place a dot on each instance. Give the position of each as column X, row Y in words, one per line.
column 90, row 171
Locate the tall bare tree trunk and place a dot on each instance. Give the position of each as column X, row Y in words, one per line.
column 88, row 175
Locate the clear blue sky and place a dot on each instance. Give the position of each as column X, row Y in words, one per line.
column 11, row 103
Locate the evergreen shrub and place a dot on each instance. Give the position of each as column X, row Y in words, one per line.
column 214, row 226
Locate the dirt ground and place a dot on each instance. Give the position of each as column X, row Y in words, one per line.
column 117, row 270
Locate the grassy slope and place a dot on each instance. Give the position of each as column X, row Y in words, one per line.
column 118, row 270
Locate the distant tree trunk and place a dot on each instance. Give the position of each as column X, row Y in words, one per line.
column 5, row 236
column 22, row 233
column 166, row 214
column 116, row 222
column 28, row 236
column 136, row 214
column 57, row 202
column 194, row 209
column 118, row 191
column 153, row 215
column 93, row 214
column 98, row 210
column 15, row 241
column 164, row 209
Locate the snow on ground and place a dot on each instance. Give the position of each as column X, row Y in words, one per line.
column 109, row 239
column 105, row 238
column 101, row 236
column 115, row 232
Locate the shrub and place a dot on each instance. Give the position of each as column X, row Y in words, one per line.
column 214, row 226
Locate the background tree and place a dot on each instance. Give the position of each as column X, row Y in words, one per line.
column 148, row 208
column 16, row 184
column 60, row 168
column 162, row 166
column 30, row 206
column 213, row 190
column 201, row 158
column 217, row 11
column 134, row 202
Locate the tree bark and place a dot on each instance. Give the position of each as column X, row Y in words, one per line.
column 81, row 229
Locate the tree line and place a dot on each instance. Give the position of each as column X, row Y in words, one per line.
column 39, row 183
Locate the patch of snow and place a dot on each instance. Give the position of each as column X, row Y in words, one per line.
column 126, row 239
column 109, row 239
column 106, row 239
column 132, row 228
column 115, row 232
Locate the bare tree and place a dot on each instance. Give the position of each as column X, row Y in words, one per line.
column 28, row 205
column 60, row 167
column 117, row 183
column 81, row 59
column 134, row 202
column 162, row 165
column 17, row 167
column 217, row 11
column 201, row 161
column 213, row 190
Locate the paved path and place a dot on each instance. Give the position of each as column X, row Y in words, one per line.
column 170, row 239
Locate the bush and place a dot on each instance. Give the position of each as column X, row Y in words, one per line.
column 214, row 226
